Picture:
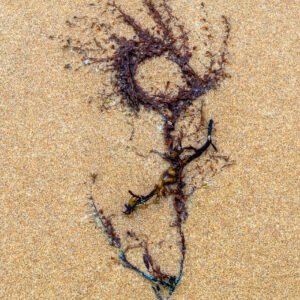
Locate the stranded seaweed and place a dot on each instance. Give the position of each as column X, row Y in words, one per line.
column 128, row 55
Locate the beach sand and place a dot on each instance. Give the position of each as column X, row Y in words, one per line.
column 242, row 233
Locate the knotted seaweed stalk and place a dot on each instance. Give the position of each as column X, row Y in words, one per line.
column 129, row 54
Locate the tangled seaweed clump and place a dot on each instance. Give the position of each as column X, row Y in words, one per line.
column 131, row 53
column 128, row 55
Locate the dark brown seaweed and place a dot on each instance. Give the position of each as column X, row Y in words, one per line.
column 128, row 55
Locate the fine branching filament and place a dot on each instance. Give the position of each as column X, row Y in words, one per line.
column 170, row 41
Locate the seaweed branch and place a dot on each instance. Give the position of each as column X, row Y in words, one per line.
column 128, row 55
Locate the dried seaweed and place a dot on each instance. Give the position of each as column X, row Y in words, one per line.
column 128, row 55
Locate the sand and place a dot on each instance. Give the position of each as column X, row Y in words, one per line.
column 243, row 229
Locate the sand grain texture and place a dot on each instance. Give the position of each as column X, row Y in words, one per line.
column 243, row 230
